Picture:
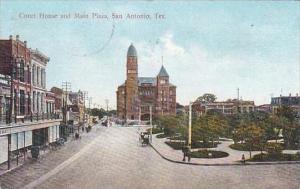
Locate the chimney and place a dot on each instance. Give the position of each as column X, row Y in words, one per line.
column 17, row 37
column 10, row 37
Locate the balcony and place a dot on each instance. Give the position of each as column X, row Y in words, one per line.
column 27, row 122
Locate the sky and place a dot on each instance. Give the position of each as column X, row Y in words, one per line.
column 207, row 47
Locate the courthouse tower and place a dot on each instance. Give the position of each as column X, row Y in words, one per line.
column 131, row 84
column 138, row 95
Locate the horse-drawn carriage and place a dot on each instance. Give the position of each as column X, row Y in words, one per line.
column 144, row 138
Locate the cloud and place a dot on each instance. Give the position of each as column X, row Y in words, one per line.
column 170, row 46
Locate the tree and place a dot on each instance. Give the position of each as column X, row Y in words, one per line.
column 208, row 128
column 98, row 112
column 207, row 97
column 290, row 126
column 170, row 124
column 254, row 136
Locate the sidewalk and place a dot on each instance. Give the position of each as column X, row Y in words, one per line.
column 43, row 155
column 234, row 157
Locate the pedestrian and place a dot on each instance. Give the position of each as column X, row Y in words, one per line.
column 184, row 152
column 243, row 159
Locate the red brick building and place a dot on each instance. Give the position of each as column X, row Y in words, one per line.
column 58, row 99
column 138, row 94
column 15, row 61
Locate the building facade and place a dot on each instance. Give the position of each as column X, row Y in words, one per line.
column 228, row 107
column 19, row 101
column 140, row 96
column 15, row 62
column 76, row 106
column 58, row 102
column 39, row 62
column 4, row 98
column 291, row 101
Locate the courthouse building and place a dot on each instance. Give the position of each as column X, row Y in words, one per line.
column 138, row 95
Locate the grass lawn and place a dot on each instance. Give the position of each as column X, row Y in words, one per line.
column 157, row 130
column 209, row 154
column 242, row 147
column 162, row 135
column 203, row 145
column 178, row 145
column 175, row 145
column 275, row 157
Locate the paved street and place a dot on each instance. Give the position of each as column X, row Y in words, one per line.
column 112, row 158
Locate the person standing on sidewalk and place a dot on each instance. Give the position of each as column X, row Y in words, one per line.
column 243, row 159
column 183, row 152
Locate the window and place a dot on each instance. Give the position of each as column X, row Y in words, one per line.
column 22, row 72
column 162, row 81
column 38, row 76
column 22, row 102
column 15, row 101
column 28, row 103
column 28, row 75
column 33, row 101
column 33, row 74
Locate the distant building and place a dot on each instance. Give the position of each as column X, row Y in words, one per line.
column 291, row 101
column 228, row 107
column 264, row 108
column 58, row 103
column 76, row 107
column 50, row 103
column 138, row 94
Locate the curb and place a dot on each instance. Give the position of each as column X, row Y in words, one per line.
column 225, row 164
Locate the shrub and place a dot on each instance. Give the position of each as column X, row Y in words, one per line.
column 209, row 154
column 161, row 135
column 242, row 147
column 274, row 148
column 277, row 157
column 156, row 130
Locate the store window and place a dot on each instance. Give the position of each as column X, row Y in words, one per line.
column 22, row 102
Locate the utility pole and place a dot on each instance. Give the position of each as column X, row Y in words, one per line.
column 85, row 98
column 190, row 125
column 106, row 102
column 90, row 102
column 151, row 123
column 12, row 74
column 238, row 100
column 66, row 87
